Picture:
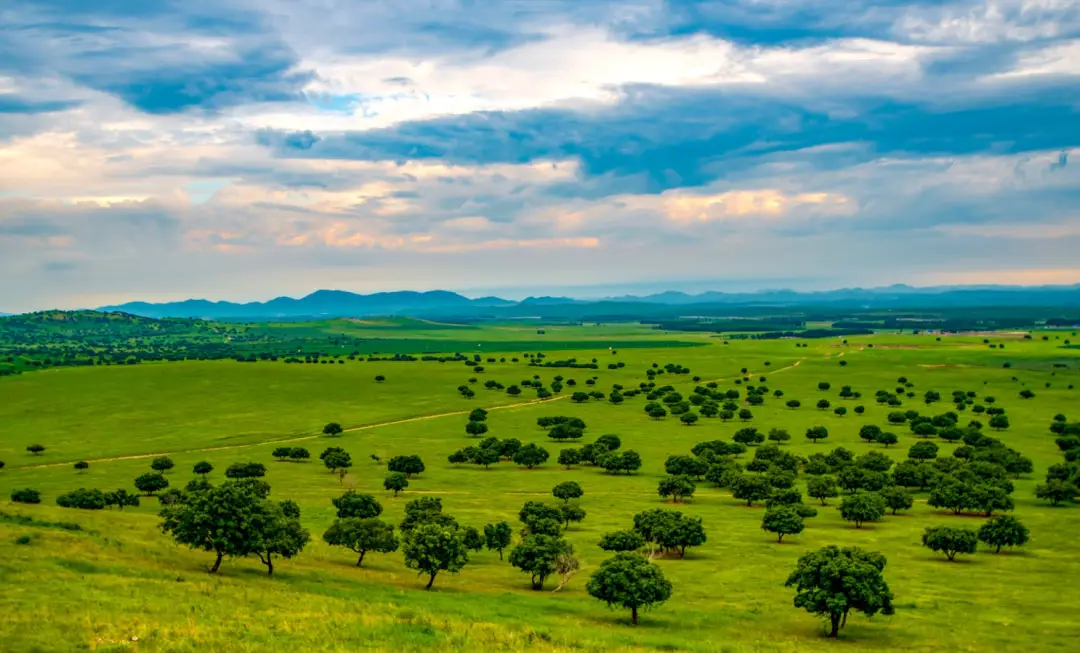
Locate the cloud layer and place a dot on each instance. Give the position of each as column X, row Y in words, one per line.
column 241, row 149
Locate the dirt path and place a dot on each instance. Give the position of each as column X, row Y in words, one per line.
column 301, row 438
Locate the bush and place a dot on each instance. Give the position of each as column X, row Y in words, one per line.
column 83, row 499
column 26, row 495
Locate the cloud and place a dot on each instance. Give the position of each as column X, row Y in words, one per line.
column 242, row 148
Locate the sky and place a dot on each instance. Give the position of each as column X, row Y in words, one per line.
column 246, row 149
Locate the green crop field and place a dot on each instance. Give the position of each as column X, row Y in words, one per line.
column 117, row 583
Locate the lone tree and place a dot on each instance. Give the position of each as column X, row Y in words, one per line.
column 162, row 464
column 433, row 547
column 407, row 465
column 631, row 582
column 379, row 378
column 149, row 483
column 784, row 520
column 950, row 540
column 897, row 498
column 862, row 507
column 816, row 433
column 567, row 490
column 1003, row 531
column 537, row 555
column 35, row 449
column 82, row 466
column 361, row 536
column 203, row 468
column 497, row 537
column 476, row 428
column 831, row 582
column 280, row 534
column 332, row 429
column 395, row 482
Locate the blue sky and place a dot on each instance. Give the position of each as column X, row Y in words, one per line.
column 242, row 149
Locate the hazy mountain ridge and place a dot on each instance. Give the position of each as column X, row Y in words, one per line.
column 340, row 303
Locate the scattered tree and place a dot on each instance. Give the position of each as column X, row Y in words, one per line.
column 631, row 582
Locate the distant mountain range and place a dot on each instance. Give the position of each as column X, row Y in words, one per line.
column 441, row 303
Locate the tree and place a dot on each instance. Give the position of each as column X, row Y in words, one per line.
column 82, row 466
column 162, row 464
column 870, row 433
column 887, row 439
column 824, row 385
column 478, row 415
column 816, row 433
column 659, row 412
column 950, row 540
column 779, row 435
column 82, row 499
column 751, row 488
column 783, row 521
column 513, row 391
column 569, row 457
column 25, row 495
column 395, row 482
column 745, row 415
column 1003, row 531
column 896, row 498
column 332, row 429
column 823, row 404
column 407, row 465
column 748, row 436
column 688, row 419
column 1056, row 490
column 203, row 468
column 622, row 541
column 631, row 582
column 360, row 506
column 470, row 537
column 245, row 470
column 923, row 451
column 793, row 403
column 227, row 520
column 497, row 537
column 281, row 453
column 335, row 460
column 362, row 535
column 279, row 535
column 379, row 378
column 681, row 532
column 821, row 487
column 999, row 422
column 862, row 507
column 476, row 429
column 121, row 498
column 831, row 582
column 149, row 483
column 677, row 487
column 567, row 490
column 537, row 555
column 35, row 449
column 432, row 547
column 530, row 455
column 579, row 397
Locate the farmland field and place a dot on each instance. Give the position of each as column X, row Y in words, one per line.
column 119, row 584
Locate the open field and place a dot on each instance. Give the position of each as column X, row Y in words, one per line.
column 120, row 578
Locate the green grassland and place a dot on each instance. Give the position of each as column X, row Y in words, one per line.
column 119, row 577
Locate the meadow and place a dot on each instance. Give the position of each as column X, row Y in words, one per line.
column 119, row 584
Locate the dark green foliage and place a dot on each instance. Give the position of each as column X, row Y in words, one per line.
column 862, row 507
column 497, row 536
column 1003, row 531
column 751, row 488
column 361, row 536
column 821, row 487
column 82, row 466
column 36, row 449
column 121, row 498
column 150, row 483
column 622, row 541
column 332, row 429
column 631, row 582
column 817, row 433
column 531, row 455
column 831, row 582
column 923, row 451
column 245, row 470
column 748, row 436
column 162, row 464
column 25, row 495
column 678, row 488
column 82, row 499
column 407, row 465
column 360, row 506
column 950, row 540
column 476, row 428
column 782, row 520
column 433, row 547
column 471, row 538
column 569, row 457
column 1056, row 491
column 537, row 556
column 395, row 482
column 567, row 490
column 203, row 468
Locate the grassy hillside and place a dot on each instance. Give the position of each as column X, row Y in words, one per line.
column 119, row 577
